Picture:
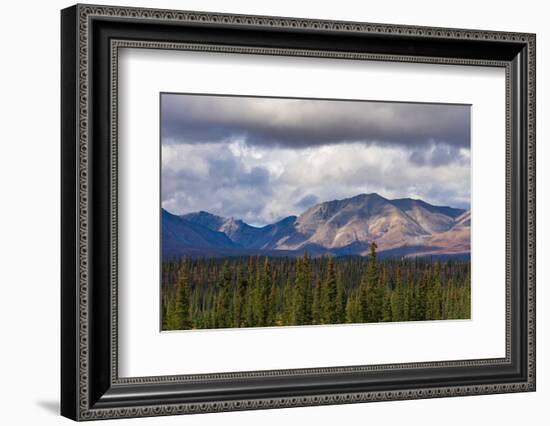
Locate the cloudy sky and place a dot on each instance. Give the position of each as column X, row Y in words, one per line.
column 262, row 159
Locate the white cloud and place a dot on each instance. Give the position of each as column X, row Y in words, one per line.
column 262, row 184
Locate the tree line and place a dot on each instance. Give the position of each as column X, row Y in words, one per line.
column 259, row 291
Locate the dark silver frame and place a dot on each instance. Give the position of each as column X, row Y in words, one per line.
column 91, row 38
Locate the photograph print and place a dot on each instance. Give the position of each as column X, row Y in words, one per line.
column 292, row 211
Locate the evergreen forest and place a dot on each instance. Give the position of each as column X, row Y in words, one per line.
column 260, row 291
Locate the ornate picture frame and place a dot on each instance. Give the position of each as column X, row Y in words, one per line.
column 91, row 37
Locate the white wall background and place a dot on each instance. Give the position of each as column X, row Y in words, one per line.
column 29, row 217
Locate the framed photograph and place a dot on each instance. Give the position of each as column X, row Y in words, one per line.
column 264, row 212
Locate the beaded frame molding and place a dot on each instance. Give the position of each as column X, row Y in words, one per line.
column 91, row 38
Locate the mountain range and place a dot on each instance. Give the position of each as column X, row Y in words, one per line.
column 402, row 227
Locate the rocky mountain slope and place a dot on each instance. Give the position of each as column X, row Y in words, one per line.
column 402, row 227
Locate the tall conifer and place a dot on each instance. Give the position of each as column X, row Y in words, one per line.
column 239, row 317
column 302, row 309
column 224, row 314
column 316, row 304
column 371, row 296
column 329, row 302
column 179, row 315
column 340, row 299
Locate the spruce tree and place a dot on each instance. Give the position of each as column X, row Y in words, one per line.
column 164, row 308
column 340, row 299
column 421, row 298
column 288, row 303
column 268, row 295
column 259, row 297
column 302, row 310
column 396, row 302
column 354, row 312
column 329, row 303
column 316, row 304
column 169, row 322
column 308, row 288
column 239, row 317
column 273, row 314
column 387, row 314
column 468, row 294
column 371, row 296
column 398, row 298
column 434, row 295
column 406, row 310
column 249, row 317
column 223, row 311
column 178, row 317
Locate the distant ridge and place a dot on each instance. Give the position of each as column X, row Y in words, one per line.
column 401, row 227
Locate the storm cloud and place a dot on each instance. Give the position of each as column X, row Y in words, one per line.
column 261, row 159
column 300, row 123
